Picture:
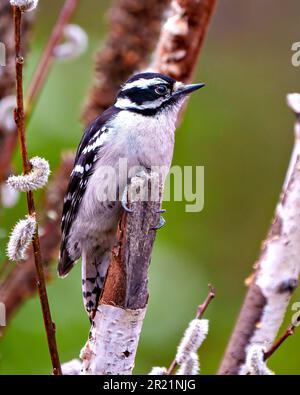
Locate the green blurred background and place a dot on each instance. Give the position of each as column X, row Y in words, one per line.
column 238, row 127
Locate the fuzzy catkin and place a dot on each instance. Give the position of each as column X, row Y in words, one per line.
column 190, row 367
column 25, row 5
column 21, row 238
column 192, row 339
column 35, row 179
column 255, row 364
column 293, row 101
column 76, row 43
column 157, row 371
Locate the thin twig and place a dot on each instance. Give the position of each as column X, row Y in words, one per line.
column 20, row 122
column 46, row 60
column 290, row 331
column 37, row 83
column 202, row 307
column 20, row 284
column 200, row 311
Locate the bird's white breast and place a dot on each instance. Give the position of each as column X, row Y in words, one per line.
column 146, row 139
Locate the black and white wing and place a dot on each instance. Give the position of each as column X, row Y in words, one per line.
column 89, row 150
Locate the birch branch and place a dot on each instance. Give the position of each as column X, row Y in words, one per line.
column 277, row 270
column 116, row 329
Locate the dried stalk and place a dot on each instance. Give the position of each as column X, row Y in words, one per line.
column 20, row 122
column 276, row 274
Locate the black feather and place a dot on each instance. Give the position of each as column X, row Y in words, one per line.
column 78, row 183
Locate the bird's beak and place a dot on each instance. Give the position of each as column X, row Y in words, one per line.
column 182, row 89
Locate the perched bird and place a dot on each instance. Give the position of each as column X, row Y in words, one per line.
column 139, row 128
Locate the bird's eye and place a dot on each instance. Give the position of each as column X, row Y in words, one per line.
column 161, row 89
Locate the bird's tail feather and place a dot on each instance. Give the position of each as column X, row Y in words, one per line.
column 65, row 264
column 94, row 269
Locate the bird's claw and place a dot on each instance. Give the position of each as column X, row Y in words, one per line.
column 161, row 223
column 124, row 201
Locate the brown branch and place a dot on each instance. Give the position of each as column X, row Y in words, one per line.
column 20, row 284
column 7, row 80
column 127, row 278
column 202, row 308
column 9, row 140
column 290, row 331
column 200, row 311
column 20, row 122
column 122, row 306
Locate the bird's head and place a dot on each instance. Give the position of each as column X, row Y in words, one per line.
column 150, row 93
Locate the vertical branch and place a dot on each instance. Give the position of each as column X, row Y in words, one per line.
column 20, row 284
column 8, row 145
column 115, row 333
column 8, row 139
column 276, row 274
column 20, row 122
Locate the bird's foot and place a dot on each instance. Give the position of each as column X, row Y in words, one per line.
column 161, row 222
column 124, row 201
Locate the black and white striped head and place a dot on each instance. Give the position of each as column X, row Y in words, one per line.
column 149, row 93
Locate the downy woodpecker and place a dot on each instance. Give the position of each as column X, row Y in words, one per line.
column 140, row 128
